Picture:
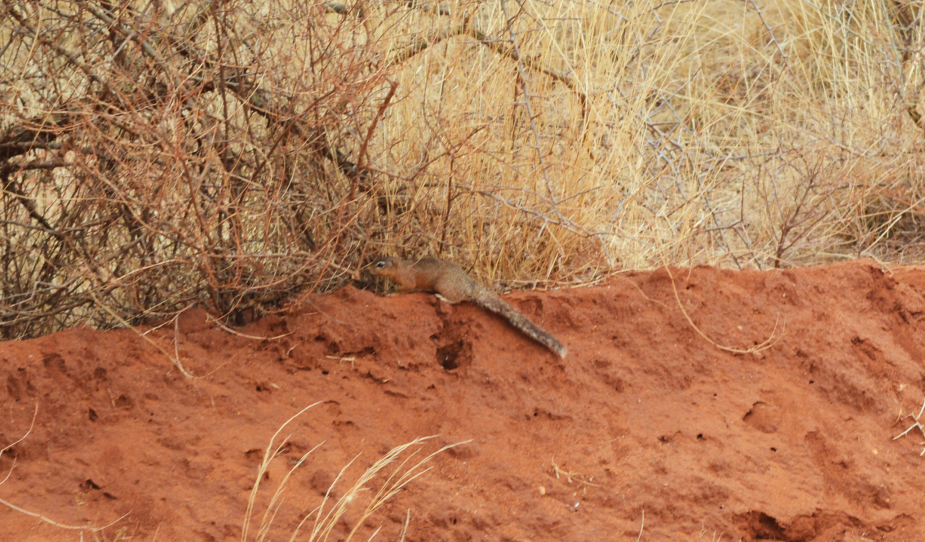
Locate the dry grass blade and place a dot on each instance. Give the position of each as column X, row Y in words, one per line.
column 328, row 517
column 272, row 450
column 767, row 343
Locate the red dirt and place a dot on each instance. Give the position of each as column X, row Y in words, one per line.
column 645, row 418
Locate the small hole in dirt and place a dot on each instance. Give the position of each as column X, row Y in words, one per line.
column 770, row 527
column 254, row 454
column 448, row 356
column 109, row 495
column 92, row 415
column 700, row 435
column 812, row 381
column 88, row 485
column 324, row 372
column 773, row 449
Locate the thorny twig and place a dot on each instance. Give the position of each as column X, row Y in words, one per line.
column 522, row 79
column 916, row 425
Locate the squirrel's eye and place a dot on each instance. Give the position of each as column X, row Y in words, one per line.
column 380, row 265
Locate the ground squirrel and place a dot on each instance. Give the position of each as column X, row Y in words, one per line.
column 450, row 281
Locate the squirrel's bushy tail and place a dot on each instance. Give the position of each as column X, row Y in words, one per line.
column 489, row 301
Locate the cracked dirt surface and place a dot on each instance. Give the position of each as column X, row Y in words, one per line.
column 645, row 418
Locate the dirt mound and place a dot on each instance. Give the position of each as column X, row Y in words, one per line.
column 645, row 427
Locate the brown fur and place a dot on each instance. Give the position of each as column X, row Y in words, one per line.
column 451, row 281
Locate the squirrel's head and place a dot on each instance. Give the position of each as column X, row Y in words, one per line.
column 383, row 266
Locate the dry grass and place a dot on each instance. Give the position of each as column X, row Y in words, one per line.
column 352, row 510
column 158, row 156
column 332, row 514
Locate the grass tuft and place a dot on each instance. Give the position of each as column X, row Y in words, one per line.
column 332, row 513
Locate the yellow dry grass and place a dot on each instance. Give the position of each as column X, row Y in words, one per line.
column 531, row 141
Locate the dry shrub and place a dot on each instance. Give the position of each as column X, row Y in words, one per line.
column 159, row 155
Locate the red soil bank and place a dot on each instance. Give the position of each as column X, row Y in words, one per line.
column 645, row 418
